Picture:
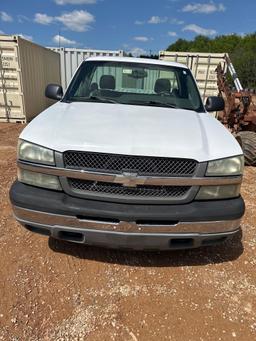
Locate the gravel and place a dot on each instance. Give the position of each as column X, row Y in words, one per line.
column 53, row 290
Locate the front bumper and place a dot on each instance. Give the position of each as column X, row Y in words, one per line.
column 126, row 226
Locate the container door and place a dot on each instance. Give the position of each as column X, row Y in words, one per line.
column 202, row 65
column 11, row 96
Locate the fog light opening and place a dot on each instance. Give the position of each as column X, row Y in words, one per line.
column 181, row 242
column 71, row 236
column 213, row 241
column 39, row 230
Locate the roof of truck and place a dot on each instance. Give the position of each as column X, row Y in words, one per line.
column 136, row 60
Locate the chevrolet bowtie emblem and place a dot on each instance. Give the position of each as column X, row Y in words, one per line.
column 129, row 179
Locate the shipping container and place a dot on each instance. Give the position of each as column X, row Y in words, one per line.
column 25, row 70
column 71, row 58
column 202, row 65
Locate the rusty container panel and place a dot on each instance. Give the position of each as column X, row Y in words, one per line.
column 202, row 65
column 25, row 70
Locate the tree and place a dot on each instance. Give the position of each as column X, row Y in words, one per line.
column 241, row 49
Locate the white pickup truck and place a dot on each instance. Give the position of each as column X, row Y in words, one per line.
column 129, row 158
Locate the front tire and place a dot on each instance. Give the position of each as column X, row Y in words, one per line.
column 247, row 141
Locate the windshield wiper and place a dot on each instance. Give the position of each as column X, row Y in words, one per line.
column 103, row 99
column 94, row 98
column 161, row 104
column 155, row 103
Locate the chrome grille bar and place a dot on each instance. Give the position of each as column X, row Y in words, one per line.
column 122, row 179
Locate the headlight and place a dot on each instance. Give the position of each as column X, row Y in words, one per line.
column 218, row 192
column 31, row 152
column 224, row 167
column 39, row 179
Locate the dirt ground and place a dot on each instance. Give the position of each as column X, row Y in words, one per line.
column 52, row 290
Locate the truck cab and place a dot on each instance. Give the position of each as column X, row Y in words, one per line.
column 129, row 157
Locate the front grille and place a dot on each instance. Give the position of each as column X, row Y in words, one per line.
column 118, row 190
column 141, row 165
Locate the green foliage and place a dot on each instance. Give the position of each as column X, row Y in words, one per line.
column 241, row 49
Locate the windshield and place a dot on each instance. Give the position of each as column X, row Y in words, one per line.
column 134, row 83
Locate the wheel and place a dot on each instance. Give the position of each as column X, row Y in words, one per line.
column 247, row 141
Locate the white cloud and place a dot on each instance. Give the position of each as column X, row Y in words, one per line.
column 137, row 51
column 2, row 32
column 5, row 17
column 222, row 8
column 176, row 21
column 78, row 21
column 199, row 30
column 157, row 20
column 206, row 8
column 58, row 39
column 25, row 36
column 22, row 18
column 139, row 22
column 43, row 19
column 172, row 34
column 75, row 2
column 141, row 38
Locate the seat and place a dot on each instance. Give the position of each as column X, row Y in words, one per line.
column 93, row 87
column 162, row 85
column 175, row 92
column 107, row 82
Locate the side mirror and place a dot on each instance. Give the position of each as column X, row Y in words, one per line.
column 214, row 103
column 54, row 91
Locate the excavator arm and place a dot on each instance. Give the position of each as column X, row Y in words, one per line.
column 239, row 115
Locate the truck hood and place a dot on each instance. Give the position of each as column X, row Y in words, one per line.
column 131, row 130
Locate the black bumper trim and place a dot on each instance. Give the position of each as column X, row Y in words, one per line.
column 44, row 200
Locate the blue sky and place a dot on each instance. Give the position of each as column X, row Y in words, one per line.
column 139, row 26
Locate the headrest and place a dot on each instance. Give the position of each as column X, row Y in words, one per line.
column 107, row 82
column 94, row 86
column 162, row 85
